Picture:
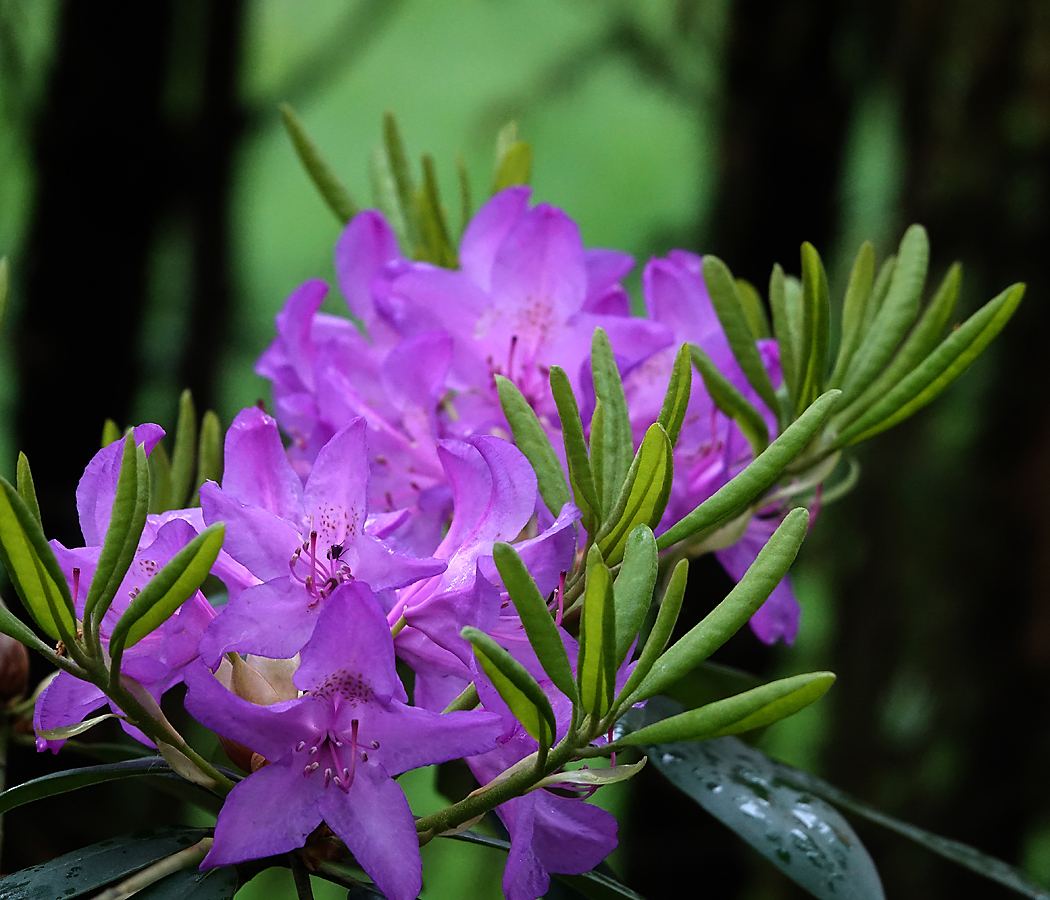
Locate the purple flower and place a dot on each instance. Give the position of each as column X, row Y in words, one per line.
column 334, row 751
column 300, row 542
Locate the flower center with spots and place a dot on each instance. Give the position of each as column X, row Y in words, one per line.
column 320, row 574
column 334, row 755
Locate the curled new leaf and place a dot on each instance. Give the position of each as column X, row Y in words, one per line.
column 676, row 400
column 816, row 322
column 614, row 436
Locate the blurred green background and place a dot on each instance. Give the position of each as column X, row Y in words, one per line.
column 156, row 219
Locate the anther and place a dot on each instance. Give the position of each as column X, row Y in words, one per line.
column 300, row 746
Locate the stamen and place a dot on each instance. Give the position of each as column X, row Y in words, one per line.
column 300, row 746
column 327, row 777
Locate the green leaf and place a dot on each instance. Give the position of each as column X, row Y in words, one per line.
column 754, row 311
column 806, row 839
column 878, row 293
column 956, row 851
column 436, row 243
column 466, row 202
column 595, row 666
column 854, row 310
column 730, row 311
column 676, row 399
column 328, row 185
column 126, row 521
column 742, row 602
column 938, row 370
column 644, row 496
column 385, row 196
column 597, row 448
column 586, row 777
column 543, row 634
column 750, row 484
column 894, row 318
column 515, row 166
column 816, row 316
column 184, row 455
column 666, row 618
column 731, row 402
column 110, row 433
column 168, row 589
column 26, row 488
column 580, row 477
column 160, row 481
column 752, row 709
column 32, row 568
column 786, row 304
column 532, row 440
column 86, row 871
column 615, row 435
column 14, row 627
column 517, row 687
column 404, row 186
column 923, row 339
column 209, row 454
column 633, row 588
column 5, row 285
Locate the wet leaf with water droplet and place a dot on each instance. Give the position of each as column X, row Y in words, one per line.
column 799, row 833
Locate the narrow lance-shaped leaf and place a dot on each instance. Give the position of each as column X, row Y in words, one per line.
column 879, row 291
column 742, row 602
column 436, row 241
column 595, row 668
column 168, row 589
column 816, row 319
column 757, row 708
column 754, row 311
column 515, row 167
column 734, row 497
column 385, row 196
column 580, row 477
column 615, row 435
column 543, row 634
column 676, row 399
column 404, row 185
column 110, row 432
column 633, row 588
column 854, row 310
column 184, row 454
column 32, row 568
column 731, row 402
column 26, row 488
column 328, row 185
column 722, row 289
column 209, row 454
column 517, row 687
column 160, row 481
column 666, row 618
column 597, row 448
column 532, row 440
column 126, row 520
column 923, row 338
column 938, row 370
column 895, row 317
column 786, row 305
column 466, row 200
column 644, row 496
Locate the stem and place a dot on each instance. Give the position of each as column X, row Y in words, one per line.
column 303, row 889
column 191, row 856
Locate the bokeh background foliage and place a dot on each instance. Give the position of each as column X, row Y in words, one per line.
column 156, row 219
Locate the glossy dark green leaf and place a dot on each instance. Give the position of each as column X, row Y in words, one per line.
column 596, row 668
column 532, row 440
column 742, row 602
column 192, row 884
column 722, row 289
column 786, row 305
column 404, row 184
column 184, row 454
column 756, row 708
column 754, row 311
column 676, row 399
column 816, row 318
column 633, row 587
column 854, row 310
column 808, row 840
column 750, row 484
column 895, row 316
column 666, row 618
column 644, row 495
column 168, row 589
column 731, row 402
column 328, row 185
column 544, row 635
column 32, row 568
column 26, row 488
column 209, row 454
column 956, row 851
column 126, row 521
column 92, row 868
column 436, row 240
column 515, row 166
column 516, row 686
column 580, row 476
column 615, row 434
column 938, row 370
